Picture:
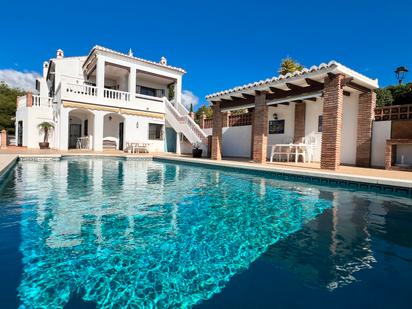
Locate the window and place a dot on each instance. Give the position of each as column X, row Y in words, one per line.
column 276, row 126
column 320, row 125
column 155, row 131
column 147, row 91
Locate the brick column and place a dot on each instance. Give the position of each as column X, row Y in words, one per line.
column 300, row 113
column 3, row 143
column 390, row 155
column 260, row 129
column 202, row 121
column 225, row 119
column 29, row 99
column 332, row 122
column 217, row 132
column 367, row 103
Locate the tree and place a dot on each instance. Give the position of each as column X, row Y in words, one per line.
column 289, row 65
column 207, row 110
column 402, row 94
column 383, row 97
column 191, row 108
column 171, row 89
column 46, row 127
column 8, row 97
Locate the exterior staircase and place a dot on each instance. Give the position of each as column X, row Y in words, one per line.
column 178, row 118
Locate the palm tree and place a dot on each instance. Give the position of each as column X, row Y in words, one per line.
column 46, row 127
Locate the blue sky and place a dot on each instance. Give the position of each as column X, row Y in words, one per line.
column 220, row 43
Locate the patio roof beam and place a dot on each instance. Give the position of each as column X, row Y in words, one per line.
column 278, row 90
column 295, row 92
column 312, row 82
column 294, row 87
column 358, row 87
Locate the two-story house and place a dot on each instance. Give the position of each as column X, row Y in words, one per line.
column 106, row 100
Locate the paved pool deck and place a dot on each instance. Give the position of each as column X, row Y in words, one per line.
column 347, row 173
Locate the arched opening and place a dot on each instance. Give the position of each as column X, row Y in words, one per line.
column 113, row 132
column 80, row 129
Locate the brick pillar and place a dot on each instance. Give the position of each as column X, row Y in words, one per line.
column 252, row 111
column 332, row 122
column 300, row 112
column 367, row 103
column 3, row 143
column 217, row 132
column 390, row 155
column 260, row 129
column 29, row 99
column 225, row 119
column 202, row 121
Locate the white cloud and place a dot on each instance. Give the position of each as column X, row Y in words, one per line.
column 17, row 79
column 189, row 98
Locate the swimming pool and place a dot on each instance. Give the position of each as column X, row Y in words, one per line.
column 107, row 232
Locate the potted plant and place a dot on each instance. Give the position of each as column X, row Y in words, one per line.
column 45, row 127
column 197, row 151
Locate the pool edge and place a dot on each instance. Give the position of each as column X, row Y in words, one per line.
column 343, row 180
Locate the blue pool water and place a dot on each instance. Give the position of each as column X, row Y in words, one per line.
column 86, row 233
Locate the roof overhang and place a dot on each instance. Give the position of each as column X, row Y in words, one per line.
column 99, row 49
column 297, row 83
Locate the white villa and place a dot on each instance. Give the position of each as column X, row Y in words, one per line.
column 111, row 100
column 107, row 100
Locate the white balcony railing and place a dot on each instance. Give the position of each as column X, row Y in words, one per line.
column 21, row 101
column 116, row 95
column 80, row 90
column 39, row 101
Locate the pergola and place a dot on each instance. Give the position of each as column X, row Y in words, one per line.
column 331, row 81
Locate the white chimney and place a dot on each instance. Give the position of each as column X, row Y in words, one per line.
column 45, row 68
column 59, row 54
column 163, row 61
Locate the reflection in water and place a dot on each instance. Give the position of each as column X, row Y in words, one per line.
column 130, row 233
column 329, row 251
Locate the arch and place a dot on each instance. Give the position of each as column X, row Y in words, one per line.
column 113, row 131
column 81, row 123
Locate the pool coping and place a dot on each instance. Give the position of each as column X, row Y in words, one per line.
column 285, row 172
column 10, row 161
column 367, row 180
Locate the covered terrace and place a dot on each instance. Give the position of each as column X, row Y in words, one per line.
column 330, row 101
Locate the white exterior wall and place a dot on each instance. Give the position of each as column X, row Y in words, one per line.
column 32, row 117
column 349, row 129
column 381, row 131
column 286, row 112
column 141, row 134
column 313, row 111
column 236, row 141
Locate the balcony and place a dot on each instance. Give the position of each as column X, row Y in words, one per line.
column 36, row 101
column 84, row 93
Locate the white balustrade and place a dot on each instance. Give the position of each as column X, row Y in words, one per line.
column 21, row 101
column 80, row 89
column 39, row 101
column 116, row 95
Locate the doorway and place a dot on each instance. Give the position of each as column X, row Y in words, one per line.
column 20, row 133
column 121, row 128
column 75, row 132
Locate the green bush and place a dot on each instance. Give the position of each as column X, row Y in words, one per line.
column 383, row 97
